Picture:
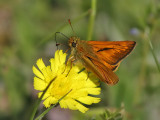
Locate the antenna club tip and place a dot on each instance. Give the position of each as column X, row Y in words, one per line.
column 71, row 25
column 57, row 44
column 69, row 21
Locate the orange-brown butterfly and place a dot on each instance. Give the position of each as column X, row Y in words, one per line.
column 100, row 57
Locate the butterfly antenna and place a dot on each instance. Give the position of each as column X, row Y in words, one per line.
column 71, row 26
column 57, row 44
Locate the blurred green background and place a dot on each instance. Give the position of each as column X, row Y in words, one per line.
column 27, row 30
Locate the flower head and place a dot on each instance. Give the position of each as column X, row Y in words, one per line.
column 67, row 79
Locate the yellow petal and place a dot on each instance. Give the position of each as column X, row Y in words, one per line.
column 81, row 108
column 93, row 78
column 40, row 64
column 63, row 104
column 52, row 61
column 39, row 84
column 93, row 91
column 57, row 60
column 37, row 73
column 47, row 102
column 71, row 104
column 50, row 101
column 47, row 73
column 89, row 100
column 83, row 75
column 53, row 100
column 79, row 93
column 90, row 83
column 46, row 95
column 62, row 57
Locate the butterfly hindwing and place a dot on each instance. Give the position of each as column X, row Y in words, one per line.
column 103, row 72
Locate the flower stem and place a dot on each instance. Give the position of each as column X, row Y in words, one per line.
column 35, row 108
column 91, row 19
column 47, row 110
column 147, row 36
column 39, row 100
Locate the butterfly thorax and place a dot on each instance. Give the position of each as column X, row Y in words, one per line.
column 73, row 43
column 80, row 48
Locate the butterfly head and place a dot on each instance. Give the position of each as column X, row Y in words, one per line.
column 73, row 41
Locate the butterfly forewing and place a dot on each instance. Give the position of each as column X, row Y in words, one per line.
column 112, row 52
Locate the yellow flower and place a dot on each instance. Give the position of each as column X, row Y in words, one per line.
column 67, row 79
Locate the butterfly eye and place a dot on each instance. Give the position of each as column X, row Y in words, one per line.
column 73, row 44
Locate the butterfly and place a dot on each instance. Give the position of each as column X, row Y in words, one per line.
column 100, row 57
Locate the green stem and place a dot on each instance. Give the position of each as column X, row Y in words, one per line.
column 51, row 36
column 147, row 36
column 146, row 40
column 91, row 19
column 154, row 56
column 141, row 80
column 39, row 100
column 47, row 110
column 35, row 108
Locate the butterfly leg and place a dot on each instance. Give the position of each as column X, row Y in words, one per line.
column 67, row 50
column 72, row 59
column 87, row 74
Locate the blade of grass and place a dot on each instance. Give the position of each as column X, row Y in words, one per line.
column 142, row 73
column 51, row 36
column 47, row 110
column 147, row 37
column 91, row 19
column 39, row 101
